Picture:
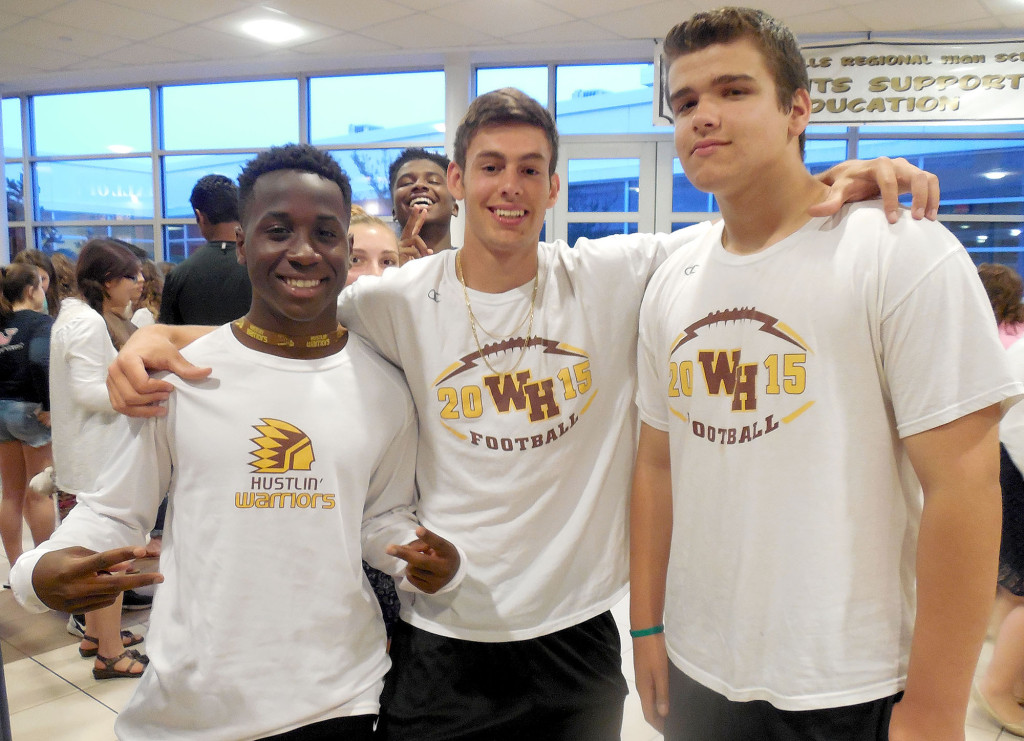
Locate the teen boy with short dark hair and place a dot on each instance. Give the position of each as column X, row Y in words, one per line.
column 265, row 625
column 798, row 378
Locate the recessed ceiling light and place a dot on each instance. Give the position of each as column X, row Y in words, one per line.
column 995, row 174
column 1015, row 232
column 272, row 31
column 982, row 238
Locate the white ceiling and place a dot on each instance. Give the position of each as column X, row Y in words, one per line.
column 46, row 44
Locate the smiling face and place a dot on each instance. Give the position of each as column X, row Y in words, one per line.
column 421, row 185
column 506, row 187
column 295, row 245
column 374, row 248
column 729, row 128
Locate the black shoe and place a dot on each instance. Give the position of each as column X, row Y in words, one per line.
column 135, row 601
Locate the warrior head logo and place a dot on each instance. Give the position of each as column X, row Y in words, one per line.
column 282, row 447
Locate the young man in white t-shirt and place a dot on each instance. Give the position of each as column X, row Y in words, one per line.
column 795, row 374
column 265, row 626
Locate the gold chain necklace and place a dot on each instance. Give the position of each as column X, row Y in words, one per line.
column 311, row 341
column 474, row 322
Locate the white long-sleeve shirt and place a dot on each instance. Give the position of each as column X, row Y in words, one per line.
column 281, row 474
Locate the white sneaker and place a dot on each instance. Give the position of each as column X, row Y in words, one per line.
column 76, row 625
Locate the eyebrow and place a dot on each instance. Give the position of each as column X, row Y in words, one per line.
column 494, row 154
column 715, row 82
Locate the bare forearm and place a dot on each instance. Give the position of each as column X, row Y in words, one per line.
column 958, row 552
column 650, row 530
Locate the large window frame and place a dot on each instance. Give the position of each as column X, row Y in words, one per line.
column 461, row 74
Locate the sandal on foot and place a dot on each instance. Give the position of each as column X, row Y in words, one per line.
column 109, row 672
column 127, row 639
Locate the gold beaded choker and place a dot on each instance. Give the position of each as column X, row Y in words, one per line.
column 474, row 322
column 309, row 341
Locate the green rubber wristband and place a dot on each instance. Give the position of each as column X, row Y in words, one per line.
column 647, row 631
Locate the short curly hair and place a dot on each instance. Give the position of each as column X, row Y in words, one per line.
column 301, row 157
column 415, row 153
column 216, row 197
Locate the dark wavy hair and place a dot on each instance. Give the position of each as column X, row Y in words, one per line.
column 1005, row 289
column 415, row 153
column 14, row 280
column 505, row 106
column 301, row 157
column 42, row 260
column 773, row 39
column 217, row 197
column 101, row 260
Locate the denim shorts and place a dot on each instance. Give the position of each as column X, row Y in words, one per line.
column 18, row 423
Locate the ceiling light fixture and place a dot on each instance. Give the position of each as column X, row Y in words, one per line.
column 272, row 31
column 995, row 174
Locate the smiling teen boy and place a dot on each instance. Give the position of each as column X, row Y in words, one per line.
column 421, row 202
column 795, row 374
column 265, row 624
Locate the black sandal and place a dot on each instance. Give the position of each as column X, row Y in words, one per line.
column 109, row 672
column 132, row 638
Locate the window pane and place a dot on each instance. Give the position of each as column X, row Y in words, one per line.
column 592, row 230
column 180, row 241
column 182, row 171
column 71, row 239
column 979, row 176
column 600, row 185
column 999, row 242
column 15, row 176
column 92, row 123
column 821, row 154
column 16, row 235
column 12, row 126
column 94, row 189
column 605, row 99
column 960, row 130
column 406, row 106
column 368, row 171
column 687, row 198
column 531, row 80
column 231, row 115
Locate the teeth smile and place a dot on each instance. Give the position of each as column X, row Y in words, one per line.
column 421, row 202
column 509, row 214
column 301, row 282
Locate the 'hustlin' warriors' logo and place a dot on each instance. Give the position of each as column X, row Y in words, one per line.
column 282, row 447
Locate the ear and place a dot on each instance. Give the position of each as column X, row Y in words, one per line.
column 201, row 219
column 240, row 245
column 455, row 186
column 455, row 207
column 556, row 185
column 799, row 112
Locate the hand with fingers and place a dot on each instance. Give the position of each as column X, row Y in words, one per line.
column 432, row 560
column 131, row 389
column 411, row 244
column 650, row 662
column 858, row 180
column 80, row 580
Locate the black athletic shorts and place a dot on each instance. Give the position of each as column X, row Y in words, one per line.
column 566, row 686
column 354, row 728
column 699, row 714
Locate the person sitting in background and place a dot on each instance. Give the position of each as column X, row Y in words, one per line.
column 24, row 406
column 421, row 202
column 1005, row 289
column 374, row 245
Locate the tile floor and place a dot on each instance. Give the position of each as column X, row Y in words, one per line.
column 53, row 696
